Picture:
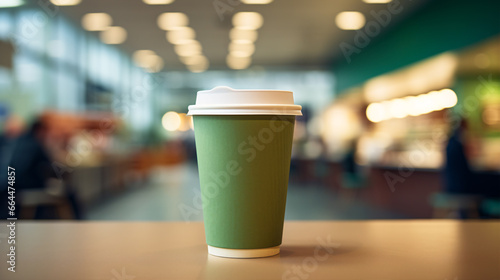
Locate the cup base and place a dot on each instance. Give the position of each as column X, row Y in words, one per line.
column 243, row 253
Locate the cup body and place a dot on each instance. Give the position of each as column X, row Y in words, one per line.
column 243, row 163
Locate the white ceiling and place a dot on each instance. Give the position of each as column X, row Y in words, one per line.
column 295, row 32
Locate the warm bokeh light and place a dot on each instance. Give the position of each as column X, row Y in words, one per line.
column 375, row 112
column 185, row 122
column 157, row 66
column 256, row 2
column 424, row 104
column 143, row 58
column 148, row 60
column 350, row 20
column 238, row 63
column 340, row 123
column 65, row 2
column 169, row 21
column 449, row 98
column 200, row 66
column 398, row 108
column 191, row 122
column 243, row 35
column 158, row 2
column 378, row 88
column 183, row 37
column 180, row 35
column 96, row 21
column 171, row 121
column 438, row 100
column 411, row 105
column 377, row 1
column 241, row 50
column 248, row 20
column 190, row 48
column 436, row 72
column 114, row 35
column 194, row 60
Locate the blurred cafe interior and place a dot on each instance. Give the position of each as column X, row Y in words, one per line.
column 401, row 103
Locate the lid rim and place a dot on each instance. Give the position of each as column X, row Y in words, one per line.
column 243, row 106
column 216, row 90
column 224, row 100
column 248, row 112
column 244, row 114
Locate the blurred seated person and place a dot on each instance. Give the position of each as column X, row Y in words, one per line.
column 30, row 159
column 12, row 129
column 33, row 164
column 466, row 190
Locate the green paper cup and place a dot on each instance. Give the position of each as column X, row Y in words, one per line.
column 243, row 143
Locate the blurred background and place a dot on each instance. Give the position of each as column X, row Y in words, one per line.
column 401, row 103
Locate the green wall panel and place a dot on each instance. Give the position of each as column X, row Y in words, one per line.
column 439, row 26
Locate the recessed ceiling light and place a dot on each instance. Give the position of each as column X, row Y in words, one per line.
column 377, row 1
column 243, row 35
column 148, row 60
column 256, row 2
column 180, row 35
column 158, row 2
column 157, row 66
column 114, row 35
column 350, row 20
column 189, row 49
column 192, row 60
column 143, row 58
column 197, row 68
column 238, row 63
column 169, row 21
column 200, row 66
column 11, row 3
column 248, row 20
column 241, row 50
column 96, row 21
column 65, row 2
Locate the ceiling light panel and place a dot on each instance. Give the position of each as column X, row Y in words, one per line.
column 170, row 21
column 350, row 20
column 96, row 21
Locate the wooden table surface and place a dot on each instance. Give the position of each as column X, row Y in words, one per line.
column 416, row 249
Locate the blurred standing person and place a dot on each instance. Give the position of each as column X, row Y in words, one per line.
column 353, row 179
column 458, row 176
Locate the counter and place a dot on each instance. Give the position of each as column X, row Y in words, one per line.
column 418, row 249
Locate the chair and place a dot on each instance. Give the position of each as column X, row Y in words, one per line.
column 53, row 196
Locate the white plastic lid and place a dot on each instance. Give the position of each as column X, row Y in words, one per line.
column 228, row 101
